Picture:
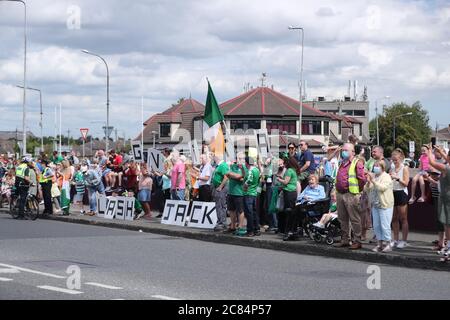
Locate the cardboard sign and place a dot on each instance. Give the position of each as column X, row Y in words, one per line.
column 120, row 208
column 203, row 215
column 262, row 139
column 196, row 215
column 136, row 148
column 175, row 213
column 155, row 160
column 195, row 152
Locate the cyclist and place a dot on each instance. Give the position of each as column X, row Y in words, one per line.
column 22, row 184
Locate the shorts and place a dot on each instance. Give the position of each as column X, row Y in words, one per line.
column 400, row 198
column 144, row 195
column 78, row 197
column 235, row 203
column 105, row 172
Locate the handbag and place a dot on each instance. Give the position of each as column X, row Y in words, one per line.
column 55, row 190
column 280, row 202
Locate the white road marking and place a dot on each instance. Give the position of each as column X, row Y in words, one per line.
column 3, row 271
column 60, row 290
column 33, row 271
column 5, row 279
column 102, row 286
column 164, row 297
column 117, row 299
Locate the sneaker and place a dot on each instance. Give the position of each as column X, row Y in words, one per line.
column 388, row 248
column 394, row 244
column 443, row 251
column 240, row 232
column 319, row 225
column 257, row 233
column 41, row 203
column 140, row 215
column 219, row 228
column 376, row 249
column 82, row 212
column 412, row 200
column 421, row 199
column 402, row 244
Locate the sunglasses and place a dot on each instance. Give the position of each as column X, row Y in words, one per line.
column 291, row 148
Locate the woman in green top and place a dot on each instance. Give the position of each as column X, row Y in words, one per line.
column 289, row 183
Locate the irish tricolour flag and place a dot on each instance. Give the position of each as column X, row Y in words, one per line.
column 212, row 129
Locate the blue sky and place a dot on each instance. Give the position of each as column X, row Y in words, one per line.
column 164, row 50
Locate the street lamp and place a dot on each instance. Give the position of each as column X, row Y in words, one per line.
column 24, row 148
column 395, row 118
column 376, row 111
column 301, row 78
column 107, row 96
column 41, row 123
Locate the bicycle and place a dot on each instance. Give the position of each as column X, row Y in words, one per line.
column 31, row 209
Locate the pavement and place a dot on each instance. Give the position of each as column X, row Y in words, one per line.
column 418, row 254
column 38, row 260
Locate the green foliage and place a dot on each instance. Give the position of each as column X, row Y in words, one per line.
column 407, row 128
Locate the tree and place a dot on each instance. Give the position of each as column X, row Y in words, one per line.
column 407, row 128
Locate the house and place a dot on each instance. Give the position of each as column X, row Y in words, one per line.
column 260, row 108
column 443, row 137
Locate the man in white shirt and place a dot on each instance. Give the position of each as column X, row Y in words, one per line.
column 204, row 179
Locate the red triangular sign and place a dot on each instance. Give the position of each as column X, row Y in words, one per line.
column 84, row 133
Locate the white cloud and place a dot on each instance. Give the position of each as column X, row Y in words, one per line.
column 165, row 50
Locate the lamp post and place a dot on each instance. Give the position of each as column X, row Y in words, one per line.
column 376, row 111
column 41, row 113
column 395, row 118
column 301, row 78
column 107, row 96
column 24, row 148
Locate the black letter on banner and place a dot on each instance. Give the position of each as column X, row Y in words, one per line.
column 129, row 207
column 194, row 208
column 120, row 212
column 180, row 213
column 208, row 215
column 170, row 206
column 99, row 206
column 110, row 207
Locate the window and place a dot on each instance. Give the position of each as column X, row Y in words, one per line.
column 245, row 124
column 326, row 128
column 311, row 127
column 347, row 112
column 282, row 126
column 164, row 130
column 359, row 113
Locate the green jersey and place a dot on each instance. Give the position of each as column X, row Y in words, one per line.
column 235, row 186
column 292, row 185
column 219, row 174
column 252, row 182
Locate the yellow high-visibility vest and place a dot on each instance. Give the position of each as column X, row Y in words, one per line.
column 353, row 184
column 20, row 171
column 42, row 179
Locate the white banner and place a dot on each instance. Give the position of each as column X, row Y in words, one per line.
column 120, row 208
column 196, row 215
column 262, row 139
column 175, row 213
column 136, row 147
column 203, row 215
column 155, row 160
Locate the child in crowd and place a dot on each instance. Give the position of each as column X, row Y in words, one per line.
column 332, row 214
column 8, row 181
column 145, row 191
column 78, row 181
column 424, row 167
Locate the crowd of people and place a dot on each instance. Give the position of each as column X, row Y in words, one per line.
column 255, row 194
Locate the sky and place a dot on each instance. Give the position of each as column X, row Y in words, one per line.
column 165, row 50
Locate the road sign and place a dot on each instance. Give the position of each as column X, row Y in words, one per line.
column 84, row 133
column 109, row 131
column 412, row 146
